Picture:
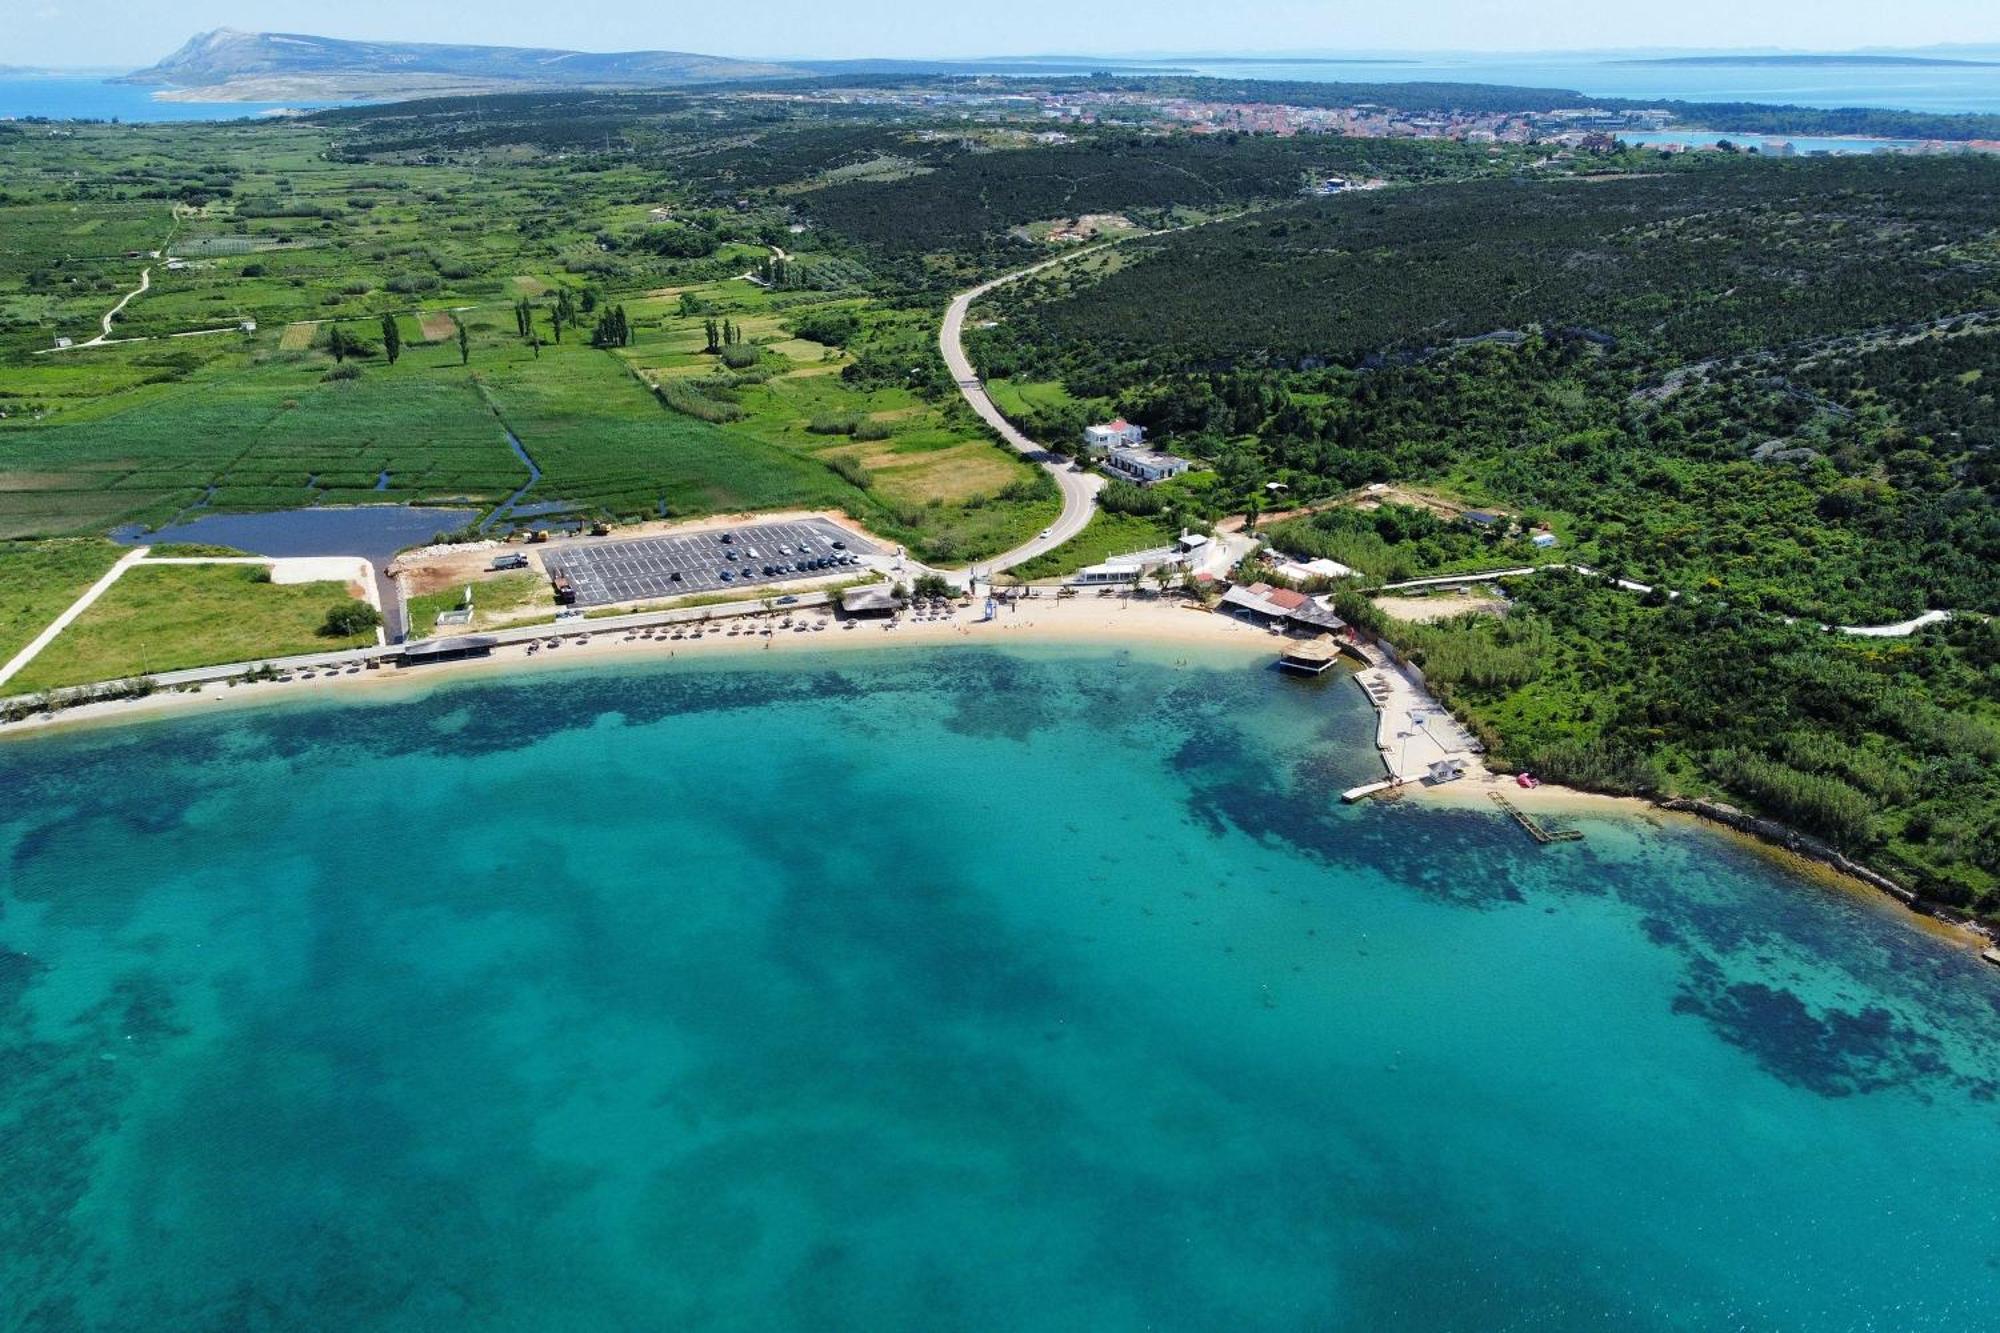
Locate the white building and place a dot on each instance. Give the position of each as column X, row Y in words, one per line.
column 1110, row 572
column 1145, row 466
column 1113, row 435
column 1301, row 571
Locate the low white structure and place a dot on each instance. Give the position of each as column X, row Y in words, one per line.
column 1544, row 539
column 1110, row 572
column 1299, row 571
column 65, row 342
column 1145, row 466
column 1114, row 434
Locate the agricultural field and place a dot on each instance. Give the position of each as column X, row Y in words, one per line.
column 159, row 618
column 254, row 370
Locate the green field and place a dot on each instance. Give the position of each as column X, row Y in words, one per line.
column 159, row 618
column 38, row 580
column 503, row 599
column 1107, row 534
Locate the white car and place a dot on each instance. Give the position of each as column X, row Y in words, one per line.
column 1048, row 532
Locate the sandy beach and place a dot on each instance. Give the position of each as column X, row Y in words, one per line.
column 1090, row 620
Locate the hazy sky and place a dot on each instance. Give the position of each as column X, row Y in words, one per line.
column 137, row 32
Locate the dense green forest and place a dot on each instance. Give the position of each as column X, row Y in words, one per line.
column 1888, row 748
column 1729, row 256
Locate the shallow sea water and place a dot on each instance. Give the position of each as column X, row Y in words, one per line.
column 966, row 988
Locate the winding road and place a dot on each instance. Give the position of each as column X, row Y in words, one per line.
column 1079, row 489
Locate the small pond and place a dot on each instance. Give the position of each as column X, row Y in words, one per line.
column 374, row 532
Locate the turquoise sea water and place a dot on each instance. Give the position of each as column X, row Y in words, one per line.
column 957, row 989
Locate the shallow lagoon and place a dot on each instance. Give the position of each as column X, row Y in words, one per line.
column 960, row 988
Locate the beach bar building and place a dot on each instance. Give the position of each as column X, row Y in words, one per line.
column 1282, row 609
column 1311, row 657
column 877, row 600
column 455, row 649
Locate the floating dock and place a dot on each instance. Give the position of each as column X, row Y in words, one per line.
column 1532, row 825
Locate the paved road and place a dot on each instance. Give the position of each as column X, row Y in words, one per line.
column 1079, row 489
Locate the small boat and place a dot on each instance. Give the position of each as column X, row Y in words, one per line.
column 1992, row 956
column 1528, row 780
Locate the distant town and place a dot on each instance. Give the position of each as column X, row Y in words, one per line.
column 1586, row 128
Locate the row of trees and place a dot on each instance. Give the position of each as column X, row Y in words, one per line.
column 720, row 334
column 343, row 346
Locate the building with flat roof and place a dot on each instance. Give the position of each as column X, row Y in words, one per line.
column 1145, row 466
column 1299, row 571
column 1110, row 572
column 446, row 650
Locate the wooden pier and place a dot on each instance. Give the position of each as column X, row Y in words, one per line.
column 1533, row 825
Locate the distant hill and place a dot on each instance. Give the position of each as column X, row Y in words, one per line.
column 228, row 65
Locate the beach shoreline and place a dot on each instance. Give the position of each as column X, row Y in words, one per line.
column 1082, row 621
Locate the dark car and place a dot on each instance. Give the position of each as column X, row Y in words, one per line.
column 787, row 600
column 840, row 546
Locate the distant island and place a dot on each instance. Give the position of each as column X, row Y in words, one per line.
column 227, row 65
column 1835, row 60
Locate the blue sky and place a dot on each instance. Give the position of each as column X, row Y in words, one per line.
column 136, row 32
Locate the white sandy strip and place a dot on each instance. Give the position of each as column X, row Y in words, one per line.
column 76, row 608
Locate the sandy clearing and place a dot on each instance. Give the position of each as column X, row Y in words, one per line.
column 1423, row 610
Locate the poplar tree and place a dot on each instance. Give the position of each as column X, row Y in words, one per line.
column 392, row 339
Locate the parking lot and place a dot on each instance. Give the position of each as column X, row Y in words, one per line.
column 751, row 556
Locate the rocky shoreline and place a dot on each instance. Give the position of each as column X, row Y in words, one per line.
column 1814, row 849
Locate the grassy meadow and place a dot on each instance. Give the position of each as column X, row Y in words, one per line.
column 159, row 618
column 38, row 580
